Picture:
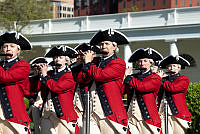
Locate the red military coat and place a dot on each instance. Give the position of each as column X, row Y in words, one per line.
column 64, row 88
column 111, row 77
column 14, row 81
column 148, row 88
column 178, row 89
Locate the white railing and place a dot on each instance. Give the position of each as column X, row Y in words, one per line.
column 155, row 18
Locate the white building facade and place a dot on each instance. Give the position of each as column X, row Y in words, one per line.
column 159, row 29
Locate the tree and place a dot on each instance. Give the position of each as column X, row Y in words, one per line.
column 16, row 14
column 193, row 102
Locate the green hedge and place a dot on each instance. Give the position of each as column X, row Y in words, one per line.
column 193, row 102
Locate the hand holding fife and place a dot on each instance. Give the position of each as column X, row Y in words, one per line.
column 89, row 55
column 128, row 71
column 81, row 57
column 161, row 73
column 43, row 69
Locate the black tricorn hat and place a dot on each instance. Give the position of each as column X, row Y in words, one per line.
column 83, row 47
column 38, row 60
column 174, row 60
column 17, row 38
column 109, row 35
column 61, row 51
column 141, row 53
column 86, row 46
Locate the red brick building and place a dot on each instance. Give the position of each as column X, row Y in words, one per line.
column 143, row 5
column 62, row 8
column 94, row 7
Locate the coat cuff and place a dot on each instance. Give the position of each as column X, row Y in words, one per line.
column 128, row 79
column 87, row 66
column 44, row 79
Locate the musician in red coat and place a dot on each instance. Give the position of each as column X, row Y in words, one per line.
column 35, row 99
column 108, row 115
column 173, row 92
column 142, row 89
column 81, row 90
column 13, row 77
column 58, row 114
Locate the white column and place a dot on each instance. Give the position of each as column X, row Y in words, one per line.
column 173, row 48
column 47, row 48
column 127, row 55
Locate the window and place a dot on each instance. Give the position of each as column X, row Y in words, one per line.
column 68, row 9
column 143, row 3
column 95, row 1
column 86, row 2
column 57, row 15
column 163, row 2
column 133, row 3
column 176, row 2
column 124, row 4
column 103, row 9
column 72, row 9
column 64, row 8
column 95, row 10
column 60, row 8
column 86, row 11
column 78, row 12
column 64, row 15
column 103, row 2
column 190, row 3
column 153, row 2
column 183, row 2
column 68, row 15
column 78, row 3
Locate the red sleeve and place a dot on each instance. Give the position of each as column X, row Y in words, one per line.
column 18, row 72
column 148, row 84
column 35, row 87
column 82, row 77
column 179, row 85
column 64, row 84
column 113, row 71
column 27, row 86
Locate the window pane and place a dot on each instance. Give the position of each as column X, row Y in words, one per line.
column 153, row 2
column 133, row 3
column 78, row 12
column 164, row 2
column 86, row 11
column 124, row 4
column 190, row 3
column 143, row 3
column 95, row 10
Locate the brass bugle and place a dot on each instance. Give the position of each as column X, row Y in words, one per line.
column 6, row 54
